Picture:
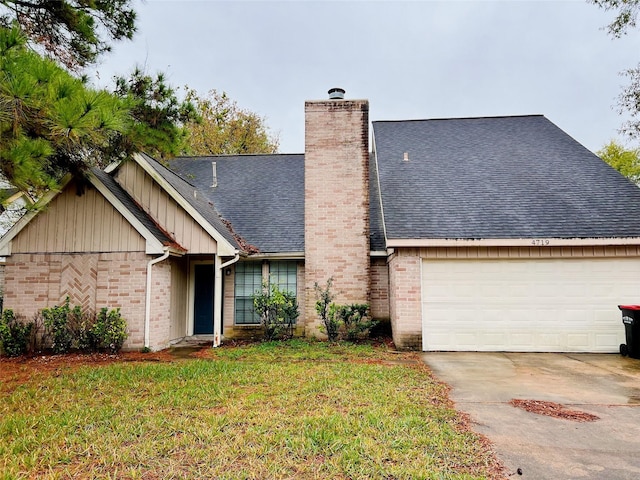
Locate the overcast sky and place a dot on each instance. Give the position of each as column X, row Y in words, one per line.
column 412, row 60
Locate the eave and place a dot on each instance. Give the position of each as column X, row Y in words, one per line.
column 510, row 242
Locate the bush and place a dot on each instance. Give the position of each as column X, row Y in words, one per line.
column 324, row 302
column 354, row 320
column 278, row 311
column 56, row 321
column 109, row 330
column 39, row 334
column 14, row 334
column 347, row 321
column 73, row 329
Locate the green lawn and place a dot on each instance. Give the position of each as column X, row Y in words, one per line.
column 298, row 410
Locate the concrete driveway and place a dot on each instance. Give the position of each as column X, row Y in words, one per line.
column 543, row 447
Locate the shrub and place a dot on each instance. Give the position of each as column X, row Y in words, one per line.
column 354, row 319
column 39, row 334
column 80, row 326
column 73, row 329
column 109, row 330
column 324, row 301
column 14, row 334
column 278, row 311
column 56, row 321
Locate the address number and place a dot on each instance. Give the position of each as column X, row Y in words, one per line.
column 540, row 242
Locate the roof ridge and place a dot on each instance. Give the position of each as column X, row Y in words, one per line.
column 488, row 117
column 228, row 155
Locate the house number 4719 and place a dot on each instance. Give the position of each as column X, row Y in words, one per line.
column 540, row 242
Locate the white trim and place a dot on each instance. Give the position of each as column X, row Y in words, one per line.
column 147, row 306
column 191, row 291
column 510, row 242
column 378, row 253
column 225, row 249
column 423, row 319
column 375, row 160
column 112, row 166
column 277, row 256
column 217, row 300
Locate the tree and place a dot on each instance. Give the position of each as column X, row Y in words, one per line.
column 629, row 99
column 627, row 162
column 73, row 31
column 158, row 117
column 51, row 123
column 225, row 128
column 627, row 14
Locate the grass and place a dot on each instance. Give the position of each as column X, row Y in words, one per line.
column 300, row 410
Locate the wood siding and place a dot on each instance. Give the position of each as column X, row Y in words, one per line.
column 72, row 224
column 179, row 297
column 166, row 211
column 529, row 252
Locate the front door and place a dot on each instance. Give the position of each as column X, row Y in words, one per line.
column 203, row 299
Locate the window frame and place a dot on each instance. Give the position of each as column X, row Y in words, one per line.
column 286, row 275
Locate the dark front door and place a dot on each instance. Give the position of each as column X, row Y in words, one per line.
column 203, row 300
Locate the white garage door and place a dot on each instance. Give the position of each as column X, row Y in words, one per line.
column 534, row 305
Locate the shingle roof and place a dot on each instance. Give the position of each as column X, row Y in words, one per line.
column 197, row 198
column 132, row 206
column 376, row 233
column 500, row 177
column 261, row 195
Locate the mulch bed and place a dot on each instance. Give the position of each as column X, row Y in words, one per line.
column 554, row 410
column 17, row 371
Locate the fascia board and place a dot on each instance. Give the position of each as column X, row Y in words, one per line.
column 510, row 242
column 277, row 256
column 379, row 199
column 224, row 247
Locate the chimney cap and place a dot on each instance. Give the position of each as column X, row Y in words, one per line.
column 336, row 93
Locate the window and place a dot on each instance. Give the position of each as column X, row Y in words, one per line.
column 248, row 280
column 284, row 274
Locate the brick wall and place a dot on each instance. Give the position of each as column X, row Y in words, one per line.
column 336, row 202
column 405, row 299
column 37, row 281
column 160, row 314
column 379, row 289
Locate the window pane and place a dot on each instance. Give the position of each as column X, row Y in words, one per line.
column 284, row 275
column 248, row 280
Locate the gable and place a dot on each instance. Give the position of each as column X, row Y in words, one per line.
column 155, row 201
column 78, row 223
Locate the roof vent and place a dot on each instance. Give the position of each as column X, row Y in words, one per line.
column 405, row 157
column 336, row 94
column 214, row 176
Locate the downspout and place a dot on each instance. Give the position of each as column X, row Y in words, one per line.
column 147, row 309
column 217, row 297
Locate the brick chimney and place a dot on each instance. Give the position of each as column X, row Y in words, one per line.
column 336, row 195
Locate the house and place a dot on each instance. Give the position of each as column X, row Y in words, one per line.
column 498, row 233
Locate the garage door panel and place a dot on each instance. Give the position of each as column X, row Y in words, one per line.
column 527, row 304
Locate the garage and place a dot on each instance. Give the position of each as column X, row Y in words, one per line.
column 527, row 305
